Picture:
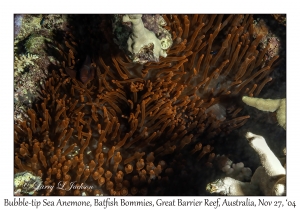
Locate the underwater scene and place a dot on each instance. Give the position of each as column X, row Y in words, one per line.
column 149, row 104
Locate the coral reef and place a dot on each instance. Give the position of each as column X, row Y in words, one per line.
column 32, row 33
column 268, row 179
column 28, row 24
column 121, row 128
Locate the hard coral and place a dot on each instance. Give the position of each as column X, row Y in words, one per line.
column 147, row 39
column 269, row 105
column 23, row 61
column 268, row 179
column 118, row 131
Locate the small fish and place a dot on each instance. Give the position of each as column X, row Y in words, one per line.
column 86, row 72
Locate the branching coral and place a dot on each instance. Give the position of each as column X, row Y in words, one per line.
column 23, row 61
column 116, row 130
column 269, row 105
column 268, row 179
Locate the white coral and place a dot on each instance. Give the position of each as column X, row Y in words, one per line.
column 268, row 179
column 22, row 61
column 269, row 105
column 142, row 37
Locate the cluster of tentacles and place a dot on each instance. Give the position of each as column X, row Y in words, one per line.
column 114, row 125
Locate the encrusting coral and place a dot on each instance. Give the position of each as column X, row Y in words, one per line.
column 268, row 179
column 112, row 127
column 147, row 39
